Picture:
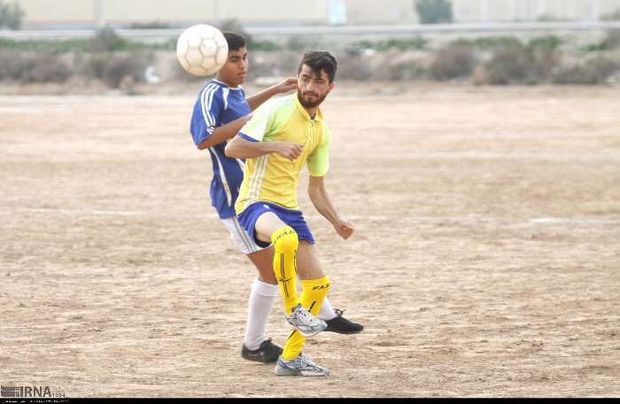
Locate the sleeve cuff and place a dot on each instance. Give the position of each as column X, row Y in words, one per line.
column 246, row 137
column 203, row 138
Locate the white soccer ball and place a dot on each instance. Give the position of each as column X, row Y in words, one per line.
column 202, row 50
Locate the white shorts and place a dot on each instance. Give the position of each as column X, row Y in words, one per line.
column 240, row 237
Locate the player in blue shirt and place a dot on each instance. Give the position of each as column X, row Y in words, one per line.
column 220, row 111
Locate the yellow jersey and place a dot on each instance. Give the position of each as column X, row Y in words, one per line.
column 273, row 177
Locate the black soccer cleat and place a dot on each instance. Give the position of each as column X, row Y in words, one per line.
column 267, row 352
column 341, row 325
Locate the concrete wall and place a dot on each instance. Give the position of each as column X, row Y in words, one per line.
column 46, row 11
column 125, row 12
column 381, row 12
column 530, row 10
column 50, row 13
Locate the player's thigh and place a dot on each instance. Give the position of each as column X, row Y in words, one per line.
column 262, row 258
column 308, row 264
column 240, row 237
column 267, row 224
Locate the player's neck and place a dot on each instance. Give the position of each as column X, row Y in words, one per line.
column 312, row 111
column 229, row 84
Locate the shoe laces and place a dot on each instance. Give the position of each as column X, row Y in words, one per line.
column 338, row 312
column 305, row 314
column 306, row 361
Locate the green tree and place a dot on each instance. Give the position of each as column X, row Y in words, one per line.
column 434, row 11
column 106, row 40
column 11, row 16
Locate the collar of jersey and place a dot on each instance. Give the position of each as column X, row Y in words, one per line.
column 221, row 83
column 318, row 117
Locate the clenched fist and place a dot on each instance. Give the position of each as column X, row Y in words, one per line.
column 344, row 229
column 289, row 150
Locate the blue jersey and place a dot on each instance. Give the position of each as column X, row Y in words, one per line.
column 217, row 105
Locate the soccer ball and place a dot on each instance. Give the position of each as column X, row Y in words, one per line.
column 202, row 50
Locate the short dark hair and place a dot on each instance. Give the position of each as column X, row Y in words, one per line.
column 320, row 61
column 235, row 41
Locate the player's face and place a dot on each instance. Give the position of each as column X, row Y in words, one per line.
column 235, row 69
column 312, row 87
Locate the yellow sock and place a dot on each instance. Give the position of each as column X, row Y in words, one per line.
column 285, row 243
column 312, row 295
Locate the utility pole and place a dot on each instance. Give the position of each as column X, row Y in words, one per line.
column 540, row 8
column 517, row 10
column 99, row 6
column 595, row 8
column 484, row 10
column 513, row 10
column 336, row 12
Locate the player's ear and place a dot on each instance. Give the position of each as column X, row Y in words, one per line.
column 332, row 85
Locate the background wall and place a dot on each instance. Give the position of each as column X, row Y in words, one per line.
column 63, row 13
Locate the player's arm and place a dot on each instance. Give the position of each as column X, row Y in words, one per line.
column 224, row 132
column 246, row 148
column 286, row 85
column 206, row 118
column 318, row 165
column 250, row 142
column 322, row 203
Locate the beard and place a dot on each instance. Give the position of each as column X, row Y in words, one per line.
column 310, row 103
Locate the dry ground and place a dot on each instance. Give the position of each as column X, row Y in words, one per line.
column 485, row 262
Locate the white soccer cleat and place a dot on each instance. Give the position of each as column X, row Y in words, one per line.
column 305, row 322
column 300, row 366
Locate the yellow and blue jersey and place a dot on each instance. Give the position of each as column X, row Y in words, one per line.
column 273, row 177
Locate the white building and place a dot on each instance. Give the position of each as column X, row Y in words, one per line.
column 89, row 13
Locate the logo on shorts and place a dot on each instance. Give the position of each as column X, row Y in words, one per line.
column 319, row 287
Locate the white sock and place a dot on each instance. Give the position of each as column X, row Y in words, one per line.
column 326, row 312
column 261, row 300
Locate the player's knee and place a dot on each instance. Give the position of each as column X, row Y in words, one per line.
column 285, row 239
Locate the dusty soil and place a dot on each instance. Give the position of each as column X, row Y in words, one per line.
column 485, row 260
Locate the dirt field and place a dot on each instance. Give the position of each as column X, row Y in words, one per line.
column 485, row 261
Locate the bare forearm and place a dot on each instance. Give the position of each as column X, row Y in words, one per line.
column 284, row 86
column 257, row 99
column 320, row 199
column 323, row 205
column 243, row 149
column 224, row 132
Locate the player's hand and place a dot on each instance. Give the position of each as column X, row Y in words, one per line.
column 289, row 150
column 286, row 85
column 344, row 229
